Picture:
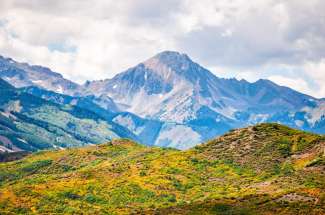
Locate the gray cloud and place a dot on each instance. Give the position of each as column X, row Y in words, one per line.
column 99, row 38
column 281, row 32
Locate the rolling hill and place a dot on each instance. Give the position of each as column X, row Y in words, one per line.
column 262, row 169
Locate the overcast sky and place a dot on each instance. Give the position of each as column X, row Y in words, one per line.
column 282, row 40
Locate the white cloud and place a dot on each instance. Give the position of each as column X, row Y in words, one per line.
column 317, row 73
column 99, row 38
column 298, row 84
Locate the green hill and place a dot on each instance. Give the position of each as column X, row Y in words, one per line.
column 265, row 169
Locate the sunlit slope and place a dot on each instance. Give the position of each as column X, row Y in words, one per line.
column 263, row 169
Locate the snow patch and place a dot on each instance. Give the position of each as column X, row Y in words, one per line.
column 22, row 140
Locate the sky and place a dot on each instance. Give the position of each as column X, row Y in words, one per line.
column 281, row 40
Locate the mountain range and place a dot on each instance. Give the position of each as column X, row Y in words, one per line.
column 169, row 100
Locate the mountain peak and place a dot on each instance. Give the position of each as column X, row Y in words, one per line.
column 171, row 55
column 171, row 58
column 169, row 64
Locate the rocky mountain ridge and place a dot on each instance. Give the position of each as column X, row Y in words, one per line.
column 182, row 97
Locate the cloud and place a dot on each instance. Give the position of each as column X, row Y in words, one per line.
column 316, row 71
column 298, row 84
column 270, row 32
column 99, row 38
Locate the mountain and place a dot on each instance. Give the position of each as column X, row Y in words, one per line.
column 87, row 102
column 145, row 130
column 177, row 89
column 171, row 88
column 31, row 123
column 263, row 169
column 23, row 74
column 173, row 101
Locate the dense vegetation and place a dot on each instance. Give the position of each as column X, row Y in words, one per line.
column 265, row 169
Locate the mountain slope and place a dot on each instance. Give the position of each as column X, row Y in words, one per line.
column 31, row 123
column 87, row 102
column 145, row 130
column 265, row 169
column 173, row 101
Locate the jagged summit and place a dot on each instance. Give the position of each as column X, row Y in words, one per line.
column 167, row 53
column 156, row 75
column 168, row 63
column 169, row 57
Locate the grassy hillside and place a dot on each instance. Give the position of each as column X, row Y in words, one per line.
column 265, row 169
